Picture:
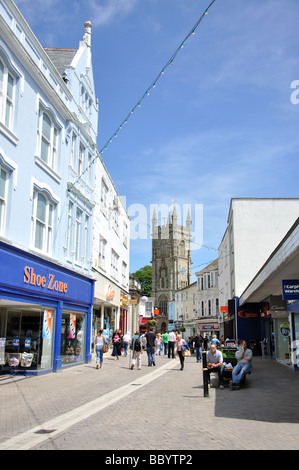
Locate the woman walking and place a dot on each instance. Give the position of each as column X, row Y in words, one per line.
column 116, row 345
column 181, row 347
column 99, row 341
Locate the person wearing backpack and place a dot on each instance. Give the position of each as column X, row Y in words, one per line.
column 136, row 348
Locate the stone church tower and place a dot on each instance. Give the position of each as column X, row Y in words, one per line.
column 171, row 262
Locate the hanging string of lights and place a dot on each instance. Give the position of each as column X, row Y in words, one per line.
column 145, row 94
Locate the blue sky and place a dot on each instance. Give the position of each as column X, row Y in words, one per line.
column 220, row 122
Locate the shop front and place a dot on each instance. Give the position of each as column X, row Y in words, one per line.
column 106, row 312
column 45, row 314
column 208, row 330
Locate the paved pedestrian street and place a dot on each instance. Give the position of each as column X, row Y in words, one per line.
column 160, row 409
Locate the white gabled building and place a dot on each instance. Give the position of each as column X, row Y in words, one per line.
column 111, row 248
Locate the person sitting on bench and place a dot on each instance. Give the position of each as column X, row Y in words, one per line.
column 243, row 367
column 215, row 363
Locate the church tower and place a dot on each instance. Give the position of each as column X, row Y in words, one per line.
column 171, row 262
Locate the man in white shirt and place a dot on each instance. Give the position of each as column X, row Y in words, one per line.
column 215, row 363
column 126, row 340
column 171, row 343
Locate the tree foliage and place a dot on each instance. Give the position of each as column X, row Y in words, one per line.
column 144, row 275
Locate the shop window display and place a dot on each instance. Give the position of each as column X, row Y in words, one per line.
column 72, row 337
column 23, row 335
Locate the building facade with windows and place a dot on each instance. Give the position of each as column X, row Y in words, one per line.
column 111, row 245
column 208, row 300
column 255, row 226
column 186, row 310
column 48, row 130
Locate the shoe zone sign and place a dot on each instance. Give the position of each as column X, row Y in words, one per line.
column 290, row 289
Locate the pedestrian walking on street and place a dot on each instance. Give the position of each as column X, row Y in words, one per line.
column 165, row 342
column 99, row 342
column 150, row 347
column 182, row 345
column 116, row 345
column 158, row 345
column 197, row 344
column 171, row 343
column 126, row 341
column 136, row 349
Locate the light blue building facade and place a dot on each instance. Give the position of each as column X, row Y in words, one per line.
column 48, row 132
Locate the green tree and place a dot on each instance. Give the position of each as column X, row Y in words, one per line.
column 144, row 275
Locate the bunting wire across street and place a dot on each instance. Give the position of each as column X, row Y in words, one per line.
column 146, row 93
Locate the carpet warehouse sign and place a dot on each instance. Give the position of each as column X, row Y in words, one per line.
column 290, row 289
column 50, row 282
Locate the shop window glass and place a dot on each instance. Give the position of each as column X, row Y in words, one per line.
column 72, row 337
column 30, row 333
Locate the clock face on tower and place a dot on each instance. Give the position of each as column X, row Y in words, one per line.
column 182, row 270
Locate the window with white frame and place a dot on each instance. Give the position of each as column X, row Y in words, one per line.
column 48, row 140
column 69, row 229
column 7, row 92
column 86, row 239
column 102, row 252
column 78, row 226
column 88, row 173
column 3, row 198
column 42, row 222
column 114, row 264
column 81, row 159
column 104, row 197
column 125, row 235
column 124, row 273
column 73, row 150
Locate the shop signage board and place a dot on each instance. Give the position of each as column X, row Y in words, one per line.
column 290, row 289
column 23, row 271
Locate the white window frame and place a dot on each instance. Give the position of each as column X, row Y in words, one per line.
column 50, row 142
column 69, row 229
column 47, row 225
column 114, row 264
column 3, row 200
column 102, row 252
column 7, row 102
column 78, row 234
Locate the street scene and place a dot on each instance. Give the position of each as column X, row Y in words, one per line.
column 149, row 227
column 162, row 409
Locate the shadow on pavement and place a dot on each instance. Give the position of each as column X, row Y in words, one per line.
column 271, row 394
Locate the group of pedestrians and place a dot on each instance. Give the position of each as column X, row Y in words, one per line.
column 119, row 342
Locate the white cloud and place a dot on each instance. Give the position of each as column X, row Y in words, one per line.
column 104, row 13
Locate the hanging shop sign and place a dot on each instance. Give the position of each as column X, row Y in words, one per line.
column 290, row 289
column 110, row 292
column 285, row 329
column 124, row 300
